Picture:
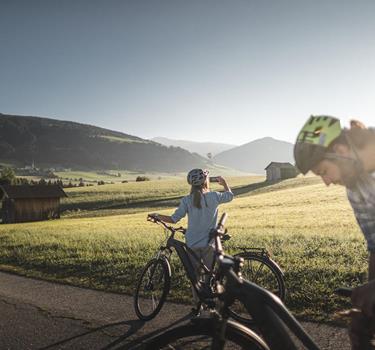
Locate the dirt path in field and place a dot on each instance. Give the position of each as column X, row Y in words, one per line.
column 42, row 315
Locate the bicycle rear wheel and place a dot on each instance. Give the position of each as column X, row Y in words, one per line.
column 152, row 289
column 264, row 272
column 200, row 334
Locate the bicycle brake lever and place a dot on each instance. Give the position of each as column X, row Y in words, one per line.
column 226, row 237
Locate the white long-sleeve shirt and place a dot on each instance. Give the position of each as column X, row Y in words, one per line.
column 200, row 220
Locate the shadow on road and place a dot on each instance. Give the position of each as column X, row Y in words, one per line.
column 139, row 342
column 121, row 342
column 134, row 326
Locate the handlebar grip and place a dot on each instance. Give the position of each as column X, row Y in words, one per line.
column 222, row 220
column 152, row 218
column 344, row 292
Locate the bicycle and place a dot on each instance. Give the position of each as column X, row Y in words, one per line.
column 277, row 326
column 154, row 282
column 259, row 268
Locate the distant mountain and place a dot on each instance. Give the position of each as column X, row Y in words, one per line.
column 202, row 148
column 254, row 156
column 55, row 143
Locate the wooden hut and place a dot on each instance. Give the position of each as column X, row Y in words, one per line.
column 279, row 171
column 22, row 203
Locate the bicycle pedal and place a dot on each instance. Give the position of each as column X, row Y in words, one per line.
column 195, row 311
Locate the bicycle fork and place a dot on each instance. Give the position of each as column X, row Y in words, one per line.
column 220, row 326
column 159, row 255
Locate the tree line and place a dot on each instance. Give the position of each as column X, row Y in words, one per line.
column 8, row 177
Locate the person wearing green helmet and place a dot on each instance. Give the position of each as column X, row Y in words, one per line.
column 347, row 157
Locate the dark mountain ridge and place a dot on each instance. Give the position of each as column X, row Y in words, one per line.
column 56, row 143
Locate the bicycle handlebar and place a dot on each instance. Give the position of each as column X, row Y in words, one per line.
column 222, row 221
column 218, row 233
column 156, row 220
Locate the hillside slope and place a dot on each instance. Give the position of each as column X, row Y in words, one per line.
column 55, row 143
column 254, row 156
column 202, row 148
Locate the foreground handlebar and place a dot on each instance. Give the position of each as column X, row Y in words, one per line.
column 222, row 220
column 218, row 233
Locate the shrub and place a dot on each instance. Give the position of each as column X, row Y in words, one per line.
column 7, row 176
column 142, row 178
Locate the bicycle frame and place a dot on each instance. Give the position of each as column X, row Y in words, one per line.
column 273, row 320
column 269, row 313
column 185, row 254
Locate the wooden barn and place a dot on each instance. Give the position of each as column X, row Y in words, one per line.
column 280, row 171
column 23, row 203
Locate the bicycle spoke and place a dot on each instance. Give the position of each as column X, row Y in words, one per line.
column 249, row 263
column 258, row 270
column 153, row 302
column 257, row 273
column 152, row 289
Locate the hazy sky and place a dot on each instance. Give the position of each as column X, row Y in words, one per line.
column 226, row 71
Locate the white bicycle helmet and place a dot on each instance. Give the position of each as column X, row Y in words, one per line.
column 197, row 177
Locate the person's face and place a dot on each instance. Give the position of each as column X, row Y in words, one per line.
column 340, row 171
column 330, row 172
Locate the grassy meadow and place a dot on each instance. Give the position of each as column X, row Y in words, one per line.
column 309, row 229
column 119, row 176
column 157, row 193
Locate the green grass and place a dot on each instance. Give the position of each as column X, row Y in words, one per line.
column 159, row 193
column 110, row 175
column 310, row 230
column 126, row 175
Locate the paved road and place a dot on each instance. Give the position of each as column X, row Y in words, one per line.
column 41, row 315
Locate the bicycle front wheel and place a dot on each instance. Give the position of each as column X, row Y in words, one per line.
column 264, row 272
column 200, row 335
column 152, row 289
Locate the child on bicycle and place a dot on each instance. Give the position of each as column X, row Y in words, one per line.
column 201, row 206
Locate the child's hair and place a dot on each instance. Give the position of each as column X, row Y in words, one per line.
column 197, row 192
column 358, row 135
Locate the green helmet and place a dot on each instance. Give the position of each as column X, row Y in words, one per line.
column 313, row 140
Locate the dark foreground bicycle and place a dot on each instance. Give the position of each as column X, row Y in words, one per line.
column 276, row 325
column 154, row 282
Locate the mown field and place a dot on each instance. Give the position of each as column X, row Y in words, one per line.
column 310, row 230
column 118, row 176
column 155, row 193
